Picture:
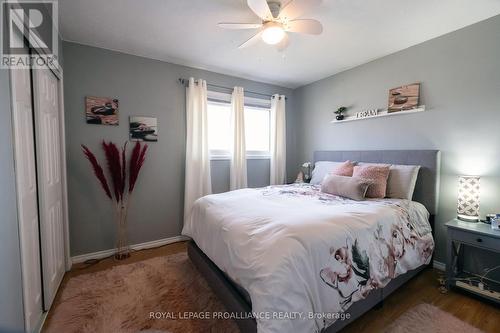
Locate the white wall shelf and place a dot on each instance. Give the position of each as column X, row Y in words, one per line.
column 381, row 113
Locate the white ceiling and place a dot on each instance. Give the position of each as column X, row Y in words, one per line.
column 185, row 32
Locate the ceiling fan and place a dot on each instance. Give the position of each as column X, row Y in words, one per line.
column 278, row 18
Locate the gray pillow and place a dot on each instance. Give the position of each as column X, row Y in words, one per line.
column 321, row 169
column 401, row 181
column 349, row 187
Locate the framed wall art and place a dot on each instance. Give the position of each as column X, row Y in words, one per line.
column 101, row 110
column 143, row 129
column 404, row 97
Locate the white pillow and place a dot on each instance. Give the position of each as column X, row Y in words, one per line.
column 321, row 169
column 401, row 181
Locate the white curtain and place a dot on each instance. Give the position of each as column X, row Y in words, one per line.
column 238, row 170
column 198, row 182
column 278, row 140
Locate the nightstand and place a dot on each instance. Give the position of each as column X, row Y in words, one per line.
column 460, row 234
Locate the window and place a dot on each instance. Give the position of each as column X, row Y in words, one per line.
column 257, row 130
column 219, row 117
column 257, row 127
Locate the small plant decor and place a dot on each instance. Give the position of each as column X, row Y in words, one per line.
column 340, row 112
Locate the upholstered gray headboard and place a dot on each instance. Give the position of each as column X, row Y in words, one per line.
column 427, row 187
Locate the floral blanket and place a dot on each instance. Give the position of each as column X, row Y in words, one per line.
column 305, row 256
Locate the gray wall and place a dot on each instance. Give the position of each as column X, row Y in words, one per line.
column 258, row 174
column 460, row 85
column 150, row 88
column 11, row 294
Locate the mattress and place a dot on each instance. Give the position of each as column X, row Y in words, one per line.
column 305, row 256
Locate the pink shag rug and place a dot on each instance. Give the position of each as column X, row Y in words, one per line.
column 425, row 318
column 155, row 295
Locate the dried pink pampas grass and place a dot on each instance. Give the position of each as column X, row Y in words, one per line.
column 117, row 169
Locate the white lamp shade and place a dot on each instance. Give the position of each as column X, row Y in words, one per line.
column 468, row 198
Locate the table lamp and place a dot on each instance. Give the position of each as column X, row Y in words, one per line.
column 468, row 198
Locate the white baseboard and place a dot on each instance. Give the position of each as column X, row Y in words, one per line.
column 439, row 265
column 39, row 326
column 140, row 246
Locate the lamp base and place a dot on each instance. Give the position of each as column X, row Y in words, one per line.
column 466, row 218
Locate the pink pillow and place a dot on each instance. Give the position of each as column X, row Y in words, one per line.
column 378, row 174
column 345, row 169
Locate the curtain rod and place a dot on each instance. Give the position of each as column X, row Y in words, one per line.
column 185, row 81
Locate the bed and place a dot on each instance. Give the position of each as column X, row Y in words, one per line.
column 293, row 259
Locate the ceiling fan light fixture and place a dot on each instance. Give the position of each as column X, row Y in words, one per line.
column 273, row 33
column 278, row 19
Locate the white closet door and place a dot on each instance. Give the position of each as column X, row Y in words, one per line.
column 27, row 197
column 49, row 161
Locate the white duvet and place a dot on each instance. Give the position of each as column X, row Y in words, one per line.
column 303, row 255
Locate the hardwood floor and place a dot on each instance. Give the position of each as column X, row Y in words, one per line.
column 422, row 289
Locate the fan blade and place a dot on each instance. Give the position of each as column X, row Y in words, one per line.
column 252, row 40
column 239, row 25
column 261, row 8
column 283, row 44
column 295, row 8
column 305, row 26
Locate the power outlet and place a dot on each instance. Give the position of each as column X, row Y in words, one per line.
column 489, row 293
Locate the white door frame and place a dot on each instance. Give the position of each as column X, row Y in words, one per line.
column 67, row 252
column 58, row 71
column 63, row 180
column 27, row 196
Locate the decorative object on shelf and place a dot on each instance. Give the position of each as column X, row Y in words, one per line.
column 143, row 129
column 306, row 169
column 340, row 113
column 404, row 97
column 367, row 113
column 380, row 113
column 468, row 198
column 101, row 110
column 117, row 167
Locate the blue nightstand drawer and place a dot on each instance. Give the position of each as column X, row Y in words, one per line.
column 476, row 240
